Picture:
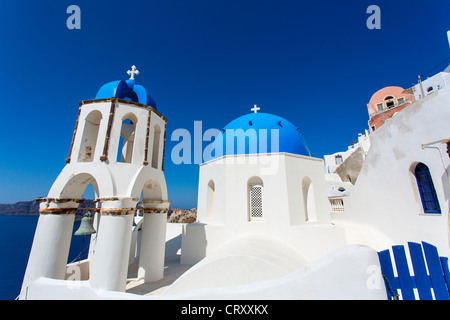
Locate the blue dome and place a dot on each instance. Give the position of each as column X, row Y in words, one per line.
column 259, row 140
column 127, row 90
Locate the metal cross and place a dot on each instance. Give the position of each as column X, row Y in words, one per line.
column 133, row 72
column 255, row 109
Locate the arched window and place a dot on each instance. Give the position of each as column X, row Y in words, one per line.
column 90, row 135
column 126, row 143
column 211, row 190
column 390, row 102
column 255, row 188
column 309, row 200
column 155, row 153
column 427, row 192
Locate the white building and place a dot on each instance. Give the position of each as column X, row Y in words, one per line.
column 267, row 228
column 271, row 193
column 333, row 161
column 402, row 189
column 429, row 85
column 117, row 147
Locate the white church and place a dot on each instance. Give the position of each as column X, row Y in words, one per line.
column 272, row 222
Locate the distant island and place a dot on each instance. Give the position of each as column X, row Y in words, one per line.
column 31, row 208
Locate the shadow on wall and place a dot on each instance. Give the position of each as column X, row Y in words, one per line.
column 193, row 243
column 172, row 248
column 445, row 182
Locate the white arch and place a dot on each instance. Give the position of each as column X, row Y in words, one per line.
column 72, row 182
column 142, row 177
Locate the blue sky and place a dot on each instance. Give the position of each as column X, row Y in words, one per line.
column 314, row 63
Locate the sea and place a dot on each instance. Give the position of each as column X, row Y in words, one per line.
column 16, row 238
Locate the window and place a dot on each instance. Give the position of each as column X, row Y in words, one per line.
column 126, row 143
column 426, row 189
column 380, row 106
column 338, row 159
column 256, row 212
column 389, row 102
column 255, row 194
column 401, row 101
column 430, row 89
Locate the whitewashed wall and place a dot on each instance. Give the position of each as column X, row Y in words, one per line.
column 385, row 195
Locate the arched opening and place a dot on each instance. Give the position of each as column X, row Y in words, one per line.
column 255, row 190
column 426, row 189
column 76, row 186
column 80, row 248
column 210, row 195
column 81, row 186
column 309, row 200
column 90, row 135
column 156, row 139
column 390, row 102
column 127, row 137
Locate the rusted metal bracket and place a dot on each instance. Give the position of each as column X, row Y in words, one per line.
column 117, row 211
column 74, row 134
column 137, row 104
column 112, row 111
column 147, row 138
column 58, row 200
column 164, row 146
column 58, row 211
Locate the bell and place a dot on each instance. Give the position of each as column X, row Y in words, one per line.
column 86, row 226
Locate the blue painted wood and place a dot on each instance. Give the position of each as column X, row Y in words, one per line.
column 420, row 271
column 386, row 269
column 438, row 280
column 436, row 272
column 444, row 264
column 406, row 282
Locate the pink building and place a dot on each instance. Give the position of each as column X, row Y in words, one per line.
column 385, row 103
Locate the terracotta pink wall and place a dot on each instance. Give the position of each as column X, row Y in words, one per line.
column 380, row 95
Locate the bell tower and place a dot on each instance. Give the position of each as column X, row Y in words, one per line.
column 118, row 147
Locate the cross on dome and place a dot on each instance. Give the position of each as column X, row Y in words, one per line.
column 133, row 72
column 255, row 109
